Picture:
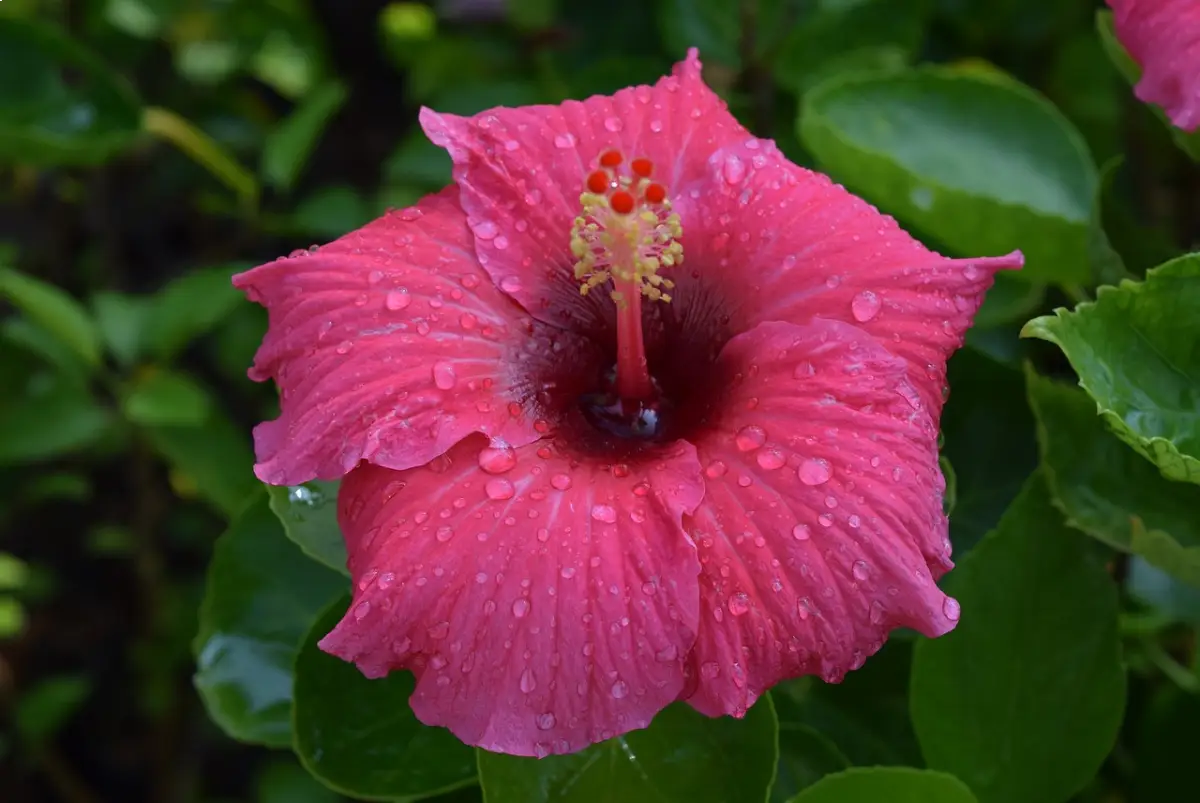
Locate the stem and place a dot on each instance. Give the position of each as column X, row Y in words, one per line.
column 633, row 372
column 204, row 150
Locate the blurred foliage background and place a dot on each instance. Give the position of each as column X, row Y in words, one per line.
column 149, row 149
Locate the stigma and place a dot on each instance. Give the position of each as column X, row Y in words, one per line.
column 626, row 231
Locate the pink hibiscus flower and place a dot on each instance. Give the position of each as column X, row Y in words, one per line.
column 1163, row 37
column 636, row 411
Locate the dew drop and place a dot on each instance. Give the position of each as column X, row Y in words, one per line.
column 604, row 513
column 770, row 459
column 739, row 603
column 444, row 534
column 545, row 721
column 520, row 608
column 825, row 519
column 564, row 141
column 397, row 300
column 865, row 306
column 486, row 230
column 620, row 689
column 511, row 284
column 716, row 469
column 498, row 490
column 804, row 370
column 439, row 631
column 952, row 609
column 560, row 482
column 497, row 457
column 361, row 610
column 528, row 681
column 613, row 124
column 814, row 471
column 386, row 580
column 443, row 376
column 750, row 438
column 734, row 169
column 801, row 532
column 710, row 670
column 500, row 242
column 877, row 612
column 860, row 570
column 656, row 126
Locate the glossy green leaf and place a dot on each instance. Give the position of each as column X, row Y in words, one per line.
column 360, row 737
column 167, row 398
column 887, row 785
column 287, row 782
column 977, row 160
column 1189, row 143
column 59, row 103
column 53, row 310
column 214, row 458
column 1023, row 700
column 189, row 307
column 292, row 142
column 50, row 420
column 683, row 757
column 1109, row 491
column 1134, row 349
column 309, row 516
column 831, row 37
column 263, row 596
column 805, row 754
column 990, row 441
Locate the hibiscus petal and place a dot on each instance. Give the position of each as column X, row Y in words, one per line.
column 821, row 527
column 543, row 607
column 391, row 345
column 522, row 171
column 767, row 240
column 1163, row 36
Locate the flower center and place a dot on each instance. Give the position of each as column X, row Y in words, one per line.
column 626, row 234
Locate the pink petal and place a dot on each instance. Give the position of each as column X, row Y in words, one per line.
column 766, row 240
column 543, row 607
column 391, row 345
column 821, row 527
column 522, row 171
column 1163, row 36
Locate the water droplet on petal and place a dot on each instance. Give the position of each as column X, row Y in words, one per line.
column 739, row 603
column 545, row 721
column 361, row 610
column 443, row 376
column 444, row 534
column 497, row 457
column 750, row 438
column 397, row 300
column 439, row 631
column 814, row 471
column 604, row 513
column 860, row 570
column 801, row 532
column 528, row 681
column 770, row 459
column 952, row 609
column 486, row 230
column 710, row 670
column 620, row 689
column 734, row 169
column 560, row 482
column 520, row 608
column 500, row 242
column 613, row 124
column 499, row 490
column 716, row 469
column 865, row 306
column 825, row 519
column 877, row 612
column 510, row 284
column 564, row 140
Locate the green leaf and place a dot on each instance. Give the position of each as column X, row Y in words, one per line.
column 990, row 440
column 214, row 458
column 289, row 146
column 44, row 709
column 287, row 782
column 1107, row 490
column 121, row 321
column 833, row 36
column 189, row 307
column 1189, row 143
column 1165, row 757
column 59, row 103
column 331, row 212
column 309, row 516
column 418, row 161
column 1134, row 349
column 683, row 757
column 48, row 421
column 167, row 398
column 1010, row 299
column 205, row 151
column 1023, row 699
column 805, row 757
column 890, row 784
column 52, row 309
column 360, row 737
column 262, row 597
column 977, row 160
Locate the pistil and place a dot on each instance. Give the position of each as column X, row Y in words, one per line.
column 627, row 233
